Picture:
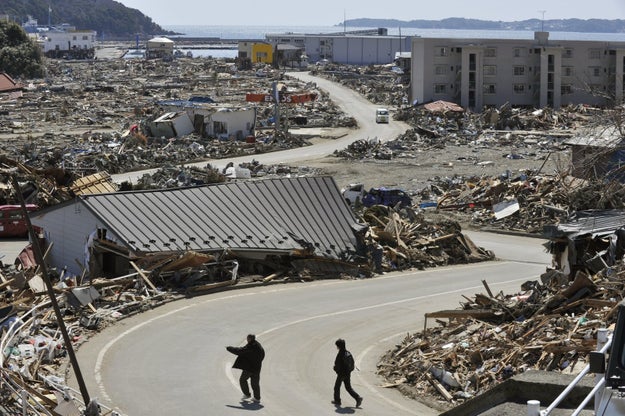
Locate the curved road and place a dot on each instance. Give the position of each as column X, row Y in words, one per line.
column 173, row 359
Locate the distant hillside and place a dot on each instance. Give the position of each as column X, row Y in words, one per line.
column 557, row 25
column 111, row 19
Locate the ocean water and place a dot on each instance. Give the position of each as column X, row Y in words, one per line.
column 259, row 32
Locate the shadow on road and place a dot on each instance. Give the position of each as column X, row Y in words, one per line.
column 246, row 406
column 345, row 410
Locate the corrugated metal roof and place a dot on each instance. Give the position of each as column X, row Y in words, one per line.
column 265, row 215
column 590, row 222
column 603, row 136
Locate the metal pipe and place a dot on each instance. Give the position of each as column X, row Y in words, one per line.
column 594, row 391
column 573, row 383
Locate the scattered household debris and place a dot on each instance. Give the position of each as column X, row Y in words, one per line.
column 63, row 135
column 550, row 324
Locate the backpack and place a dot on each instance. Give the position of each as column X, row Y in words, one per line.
column 349, row 361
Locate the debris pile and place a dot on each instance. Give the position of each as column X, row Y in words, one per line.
column 49, row 186
column 526, row 202
column 402, row 239
column 67, row 119
column 549, row 325
column 35, row 351
column 379, row 84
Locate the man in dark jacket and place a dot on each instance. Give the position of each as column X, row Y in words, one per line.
column 343, row 367
column 249, row 359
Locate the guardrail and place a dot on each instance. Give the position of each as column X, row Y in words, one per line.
column 604, row 341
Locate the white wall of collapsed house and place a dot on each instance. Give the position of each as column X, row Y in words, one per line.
column 535, row 72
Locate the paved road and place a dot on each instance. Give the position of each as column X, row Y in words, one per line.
column 349, row 101
column 173, row 359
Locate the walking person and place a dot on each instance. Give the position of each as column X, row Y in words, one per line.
column 249, row 360
column 343, row 367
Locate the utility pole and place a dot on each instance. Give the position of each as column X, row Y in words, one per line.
column 55, row 305
column 542, row 25
column 276, row 112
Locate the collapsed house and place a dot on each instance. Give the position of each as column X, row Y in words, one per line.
column 598, row 153
column 589, row 242
column 204, row 117
column 275, row 225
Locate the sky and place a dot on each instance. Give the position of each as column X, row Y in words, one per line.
column 332, row 12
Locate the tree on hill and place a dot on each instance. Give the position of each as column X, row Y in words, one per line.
column 111, row 19
column 19, row 55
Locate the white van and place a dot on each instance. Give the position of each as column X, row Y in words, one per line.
column 381, row 115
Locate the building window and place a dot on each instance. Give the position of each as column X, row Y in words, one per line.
column 440, row 88
column 440, row 69
column 519, row 88
column 442, row 51
column 568, row 71
column 595, row 71
column 594, row 53
column 518, row 70
column 85, row 38
column 518, row 52
column 490, row 89
column 490, row 52
column 490, row 70
column 567, row 53
column 566, row 89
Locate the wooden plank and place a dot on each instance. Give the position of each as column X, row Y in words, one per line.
column 439, row 387
column 143, row 276
column 470, row 313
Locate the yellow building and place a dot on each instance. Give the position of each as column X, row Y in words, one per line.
column 262, row 53
column 256, row 52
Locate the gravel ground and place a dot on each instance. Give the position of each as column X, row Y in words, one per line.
column 414, row 173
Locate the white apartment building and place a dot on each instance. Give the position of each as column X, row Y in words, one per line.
column 523, row 72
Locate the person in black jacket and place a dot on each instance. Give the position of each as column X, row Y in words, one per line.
column 249, row 359
column 343, row 367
